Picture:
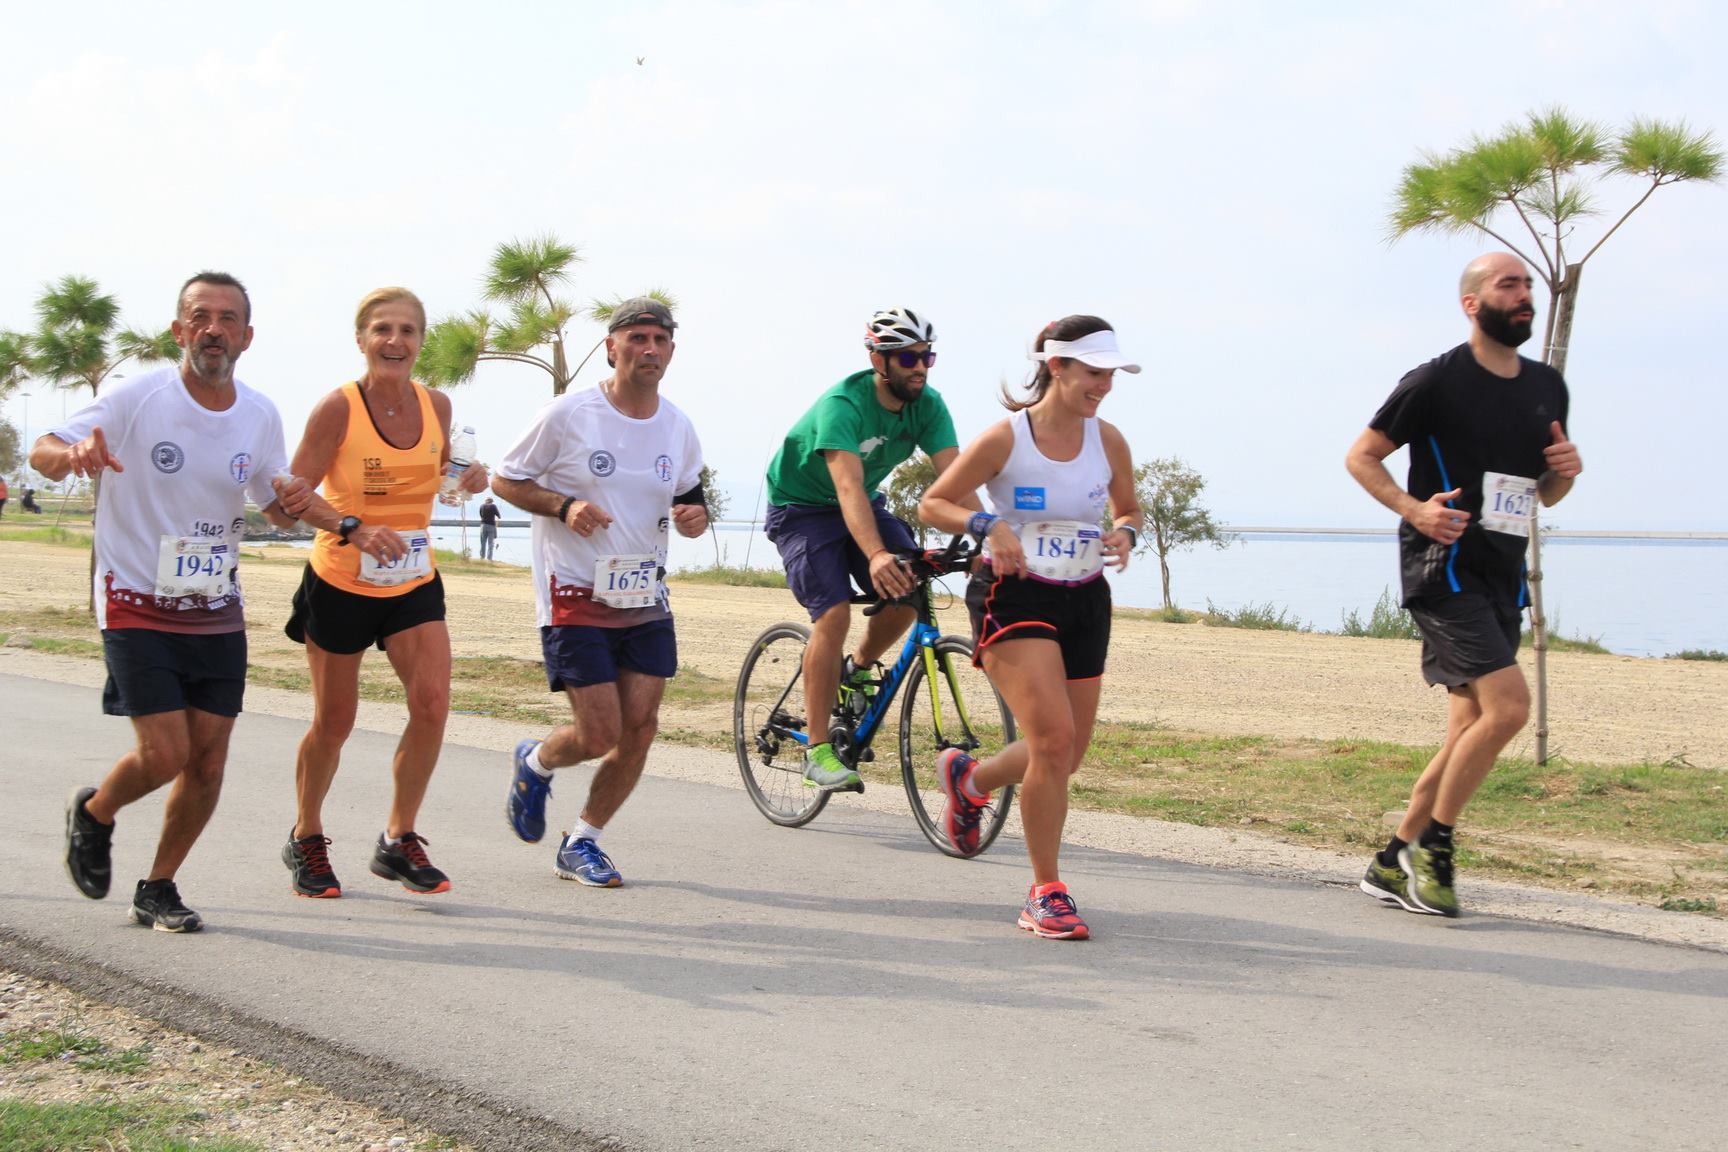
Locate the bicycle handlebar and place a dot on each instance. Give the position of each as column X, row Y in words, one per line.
column 926, row 565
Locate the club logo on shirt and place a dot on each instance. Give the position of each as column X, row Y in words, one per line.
column 663, row 468
column 871, row 445
column 240, row 467
column 1029, row 499
column 602, row 464
column 168, row 457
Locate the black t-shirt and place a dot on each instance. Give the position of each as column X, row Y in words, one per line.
column 1460, row 421
column 489, row 514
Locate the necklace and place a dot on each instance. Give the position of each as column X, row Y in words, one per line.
column 389, row 409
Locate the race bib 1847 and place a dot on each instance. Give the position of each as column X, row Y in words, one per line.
column 1063, row 551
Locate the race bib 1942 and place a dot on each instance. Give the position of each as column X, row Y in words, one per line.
column 627, row 581
column 1063, row 551
column 1507, row 503
column 194, row 566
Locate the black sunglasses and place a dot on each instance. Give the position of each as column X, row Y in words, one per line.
column 913, row 359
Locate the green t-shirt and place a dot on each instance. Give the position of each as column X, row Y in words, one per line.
column 849, row 417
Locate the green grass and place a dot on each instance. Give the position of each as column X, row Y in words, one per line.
column 732, row 576
column 1266, row 617
column 1699, row 654
column 1387, row 621
column 47, row 534
column 1682, row 904
column 106, row 1125
column 1561, row 643
column 85, row 1051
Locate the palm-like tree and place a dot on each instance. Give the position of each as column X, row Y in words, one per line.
column 75, row 344
column 1539, row 176
column 523, row 279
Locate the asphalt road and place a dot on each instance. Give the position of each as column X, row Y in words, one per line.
column 845, row 987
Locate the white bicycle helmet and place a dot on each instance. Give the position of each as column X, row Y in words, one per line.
column 897, row 328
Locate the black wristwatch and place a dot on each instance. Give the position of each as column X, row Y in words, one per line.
column 347, row 525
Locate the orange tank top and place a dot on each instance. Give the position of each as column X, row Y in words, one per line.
column 381, row 484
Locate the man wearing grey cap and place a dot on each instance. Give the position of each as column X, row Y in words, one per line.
column 606, row 472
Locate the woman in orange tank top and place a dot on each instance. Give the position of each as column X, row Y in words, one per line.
column 378, row 446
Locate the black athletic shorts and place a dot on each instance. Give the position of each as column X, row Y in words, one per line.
column 1465, row 636
column 1077, row 617
column 346, row 622
column 151, row 671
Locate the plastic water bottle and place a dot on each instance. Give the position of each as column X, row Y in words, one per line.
column 462, row 451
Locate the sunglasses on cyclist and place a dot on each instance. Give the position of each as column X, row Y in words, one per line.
column 913, row 359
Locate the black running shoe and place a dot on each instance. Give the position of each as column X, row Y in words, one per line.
column 308, row 858
column 87, row 847
column 406, row 863
column 157, row 905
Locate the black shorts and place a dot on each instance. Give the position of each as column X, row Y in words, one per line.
column 1465, row 636
column 1077, row 617
column 578, row 655
column 151, row 671
column 346, row 622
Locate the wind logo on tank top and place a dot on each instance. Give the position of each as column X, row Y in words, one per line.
column 1029, row 499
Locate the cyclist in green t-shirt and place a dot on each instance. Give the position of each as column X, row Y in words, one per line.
column 831, row 523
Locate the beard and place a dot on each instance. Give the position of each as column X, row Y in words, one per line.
column 907, row 388
column 1501, row 328
column 211, row 364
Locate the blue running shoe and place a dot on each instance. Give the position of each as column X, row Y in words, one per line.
column 525, row 807
column 582, row 861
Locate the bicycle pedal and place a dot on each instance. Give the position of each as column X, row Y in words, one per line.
column 868, row 755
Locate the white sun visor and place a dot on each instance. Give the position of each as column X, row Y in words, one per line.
column 1098, row 349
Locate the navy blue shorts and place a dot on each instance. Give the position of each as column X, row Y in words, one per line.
column 578, row 655
column 821, row 559
column 1465, row 636
column 151, row 671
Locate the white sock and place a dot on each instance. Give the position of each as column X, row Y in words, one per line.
column 586, row 831
column 534, row 765
column 968, row 785
column 391, row 841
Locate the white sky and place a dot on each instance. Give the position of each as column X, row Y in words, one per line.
column 1212, row 178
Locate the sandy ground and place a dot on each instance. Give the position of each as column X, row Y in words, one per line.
column 1185, row 676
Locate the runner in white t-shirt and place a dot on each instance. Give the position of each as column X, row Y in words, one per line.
column 607, row 472
column 183, row 448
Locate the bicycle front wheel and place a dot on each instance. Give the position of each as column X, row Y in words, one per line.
column 956, row 709
column 767, row 708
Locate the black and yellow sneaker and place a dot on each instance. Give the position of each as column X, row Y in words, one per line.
column 1387, row 885
column 157, row 904
column 1430, row 872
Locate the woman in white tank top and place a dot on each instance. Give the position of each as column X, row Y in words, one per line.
column 1061, row 488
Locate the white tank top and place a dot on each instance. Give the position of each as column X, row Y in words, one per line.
column 1055, row 506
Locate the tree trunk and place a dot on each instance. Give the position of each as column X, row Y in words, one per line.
column 1557, row 348
column 1164, row 574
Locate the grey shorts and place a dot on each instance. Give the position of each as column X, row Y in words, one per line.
column 1465, row 636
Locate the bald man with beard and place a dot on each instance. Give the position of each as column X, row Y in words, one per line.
column 1486, row 429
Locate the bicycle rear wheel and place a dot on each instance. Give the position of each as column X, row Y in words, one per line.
column 767, row 708
column 958, row 709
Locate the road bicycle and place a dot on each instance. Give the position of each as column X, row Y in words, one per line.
column 945, row 703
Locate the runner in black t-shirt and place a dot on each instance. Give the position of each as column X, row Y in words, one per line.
column 1486, row 430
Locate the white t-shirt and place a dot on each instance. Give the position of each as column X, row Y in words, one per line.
column 581, row 446
column 168, row 528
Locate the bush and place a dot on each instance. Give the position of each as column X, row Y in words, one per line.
column 1388, row 621
column 1263, row 617
column 1699, row 654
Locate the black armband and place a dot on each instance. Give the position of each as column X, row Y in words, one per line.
column 694, row 496
column 564, row 509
